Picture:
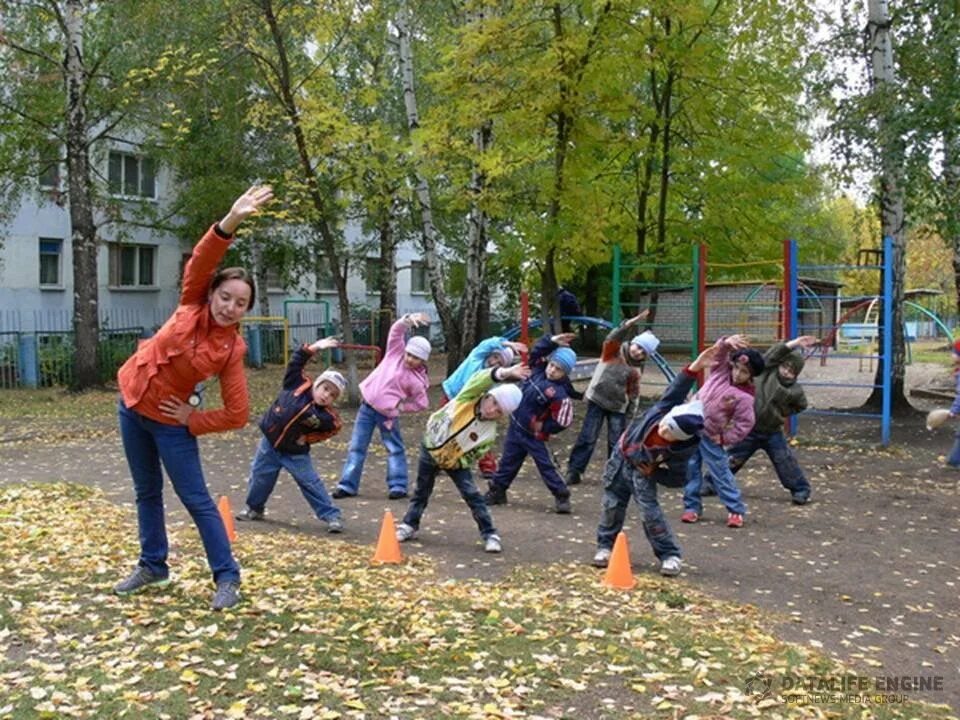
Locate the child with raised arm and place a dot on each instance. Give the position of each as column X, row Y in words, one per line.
column 613, row 393
column 457, row 434
column 779, row 396
column 728, row 417
column 301, row 415
column 397, row 385
column 546, row 409
column 654, row 449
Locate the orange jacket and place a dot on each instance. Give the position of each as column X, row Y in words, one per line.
column 189, row 349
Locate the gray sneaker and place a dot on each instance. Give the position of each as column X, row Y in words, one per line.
column 602, row 558
column 671, row 565
column 405, row 532
column 335, row 526
column 251, row 514
column 493, row 544
column 226, row 595
column 140, row 579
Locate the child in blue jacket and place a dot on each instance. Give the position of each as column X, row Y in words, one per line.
column 301, row 415
column 546, row 409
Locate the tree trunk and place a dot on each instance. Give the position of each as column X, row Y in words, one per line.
column 891, row 150
column 951, row 183
column 83, row 231
column 307, row 167
column 421, row 188
column 260, row 270
column 388, row 278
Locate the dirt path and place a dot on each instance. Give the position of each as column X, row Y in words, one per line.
column 869, row 571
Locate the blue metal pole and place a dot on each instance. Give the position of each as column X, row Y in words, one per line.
column 887, row 339
column 793, row 309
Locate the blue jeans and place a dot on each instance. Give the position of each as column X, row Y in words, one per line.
column 147, row 444
column 718, row 465
column 367, row 420
column 516, row 446
column 265, row 468
column 590, row 432
column 781, row 456
column 954, row 459
column 427, row 471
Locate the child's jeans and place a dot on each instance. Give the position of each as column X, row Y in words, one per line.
column 516, row 446
column 718, row 464
column 954, row 459
column 589, row 433
column 620, row 479
column 427, row 471
column 781, row 456
column 363, row 426
column 265, row 468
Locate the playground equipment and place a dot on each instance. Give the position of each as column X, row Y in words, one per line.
column 254, row 336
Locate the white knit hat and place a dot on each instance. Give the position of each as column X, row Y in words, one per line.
column 647, row 341
column 506, row 355
column 685, row 420
column 418, row 347
column 332, row 377
column 508, row 397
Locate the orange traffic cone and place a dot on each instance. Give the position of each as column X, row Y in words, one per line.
column 388, row 549
column 619, row 575
column 223, row 505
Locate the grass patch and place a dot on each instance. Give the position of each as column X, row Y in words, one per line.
column 322, row 634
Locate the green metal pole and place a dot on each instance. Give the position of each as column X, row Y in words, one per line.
column 616, row 285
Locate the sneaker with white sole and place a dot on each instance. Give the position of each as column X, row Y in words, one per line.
column 226, row 595
column 493, row 544
column 671, row 565
column 602, row 558
column 335, row 526
column 405, row 532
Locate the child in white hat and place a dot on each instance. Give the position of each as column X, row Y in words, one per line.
column 301, row 415
column 397, row 385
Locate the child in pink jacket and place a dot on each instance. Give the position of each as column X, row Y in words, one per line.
column 728, row 417
column 397, row 385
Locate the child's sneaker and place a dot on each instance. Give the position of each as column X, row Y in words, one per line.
column 493, row 544
column 563, row 506
column 335, row 526
column 735, row 520
column 689, row 516
column 226, row 596
column 671, row 565
column 602, row 558
column 397, row 494
column 495, row 496
column 405, row 532
column 572, row 478
column 800, row 498
column 250, row 514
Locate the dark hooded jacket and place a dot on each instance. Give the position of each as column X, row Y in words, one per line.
column 775, row 399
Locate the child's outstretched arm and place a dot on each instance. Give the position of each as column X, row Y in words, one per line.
column 293, row 377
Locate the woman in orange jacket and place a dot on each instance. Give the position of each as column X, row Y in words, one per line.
column 160, row 386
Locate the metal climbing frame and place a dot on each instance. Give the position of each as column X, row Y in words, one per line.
column 796, row 325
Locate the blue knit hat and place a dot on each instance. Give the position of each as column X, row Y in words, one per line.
column 565, row 358
column 685, row 420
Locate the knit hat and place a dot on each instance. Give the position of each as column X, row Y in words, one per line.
column 419, row 347
column 685, row 420
column 647, row 341
column 332, row 377
column 508, row 397
column 505, row 354
column 565, row 358
column 794, row 361
column 751, row 357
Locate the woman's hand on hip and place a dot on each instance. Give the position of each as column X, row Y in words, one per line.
column 176, row 409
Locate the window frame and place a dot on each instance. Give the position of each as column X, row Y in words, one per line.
column 119, row 190
column 115, row 267
column 419, row 267
column 58, row 285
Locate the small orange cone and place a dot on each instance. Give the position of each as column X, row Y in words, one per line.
column 388, row 549
column 223, row 505
column 619, row 575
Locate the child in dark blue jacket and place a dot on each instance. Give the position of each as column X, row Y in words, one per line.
column 546, row 409
column 654, row 449
column 301, row 415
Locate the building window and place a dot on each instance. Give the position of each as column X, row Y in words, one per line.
column 372, row 274
column 324, row 276
column 275, row 279
column 418, row 277
column 131, row 175
column 51, row 250
column 133, row 266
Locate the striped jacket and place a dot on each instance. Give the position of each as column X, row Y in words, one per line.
column 546, row 407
